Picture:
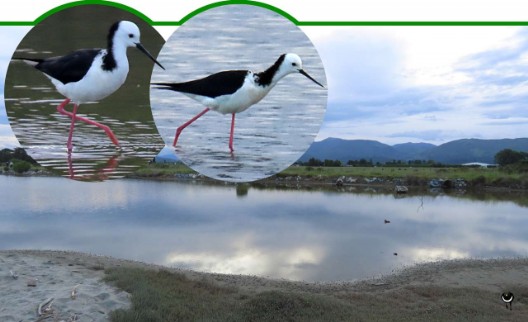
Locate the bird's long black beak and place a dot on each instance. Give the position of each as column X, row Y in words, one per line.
column 310, row 77
column 140, row 47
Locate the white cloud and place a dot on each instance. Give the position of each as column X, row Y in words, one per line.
column 7, row 138
column 432, row 84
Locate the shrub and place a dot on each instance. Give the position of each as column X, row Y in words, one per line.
column 21, row 166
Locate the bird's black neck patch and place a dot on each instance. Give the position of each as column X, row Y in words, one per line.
column 264, row 78
column 109, row 62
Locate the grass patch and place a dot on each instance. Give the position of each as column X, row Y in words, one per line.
column 163, row 170
column 475, row 176
column 167, row 296
column 418, row 176
column 289, row 306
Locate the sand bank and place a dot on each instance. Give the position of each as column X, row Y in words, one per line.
column 442, row 284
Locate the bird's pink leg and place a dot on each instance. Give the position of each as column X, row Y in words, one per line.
column 232, row 132
column 72, row 126
column 62, row 105
column 74, row 117
column 184, row 125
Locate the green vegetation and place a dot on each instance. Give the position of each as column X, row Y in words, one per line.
column 20, row 166
column 512, row 173
column 167, row 296
column 313, row 162
column 512, row 161
column 508, row 157
column 17, row 160
column 411, row 174
column 6, row 155
column 511, row 176
column 155, row 170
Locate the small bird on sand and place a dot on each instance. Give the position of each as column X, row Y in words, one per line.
column 234, row 91
column 507, row 297
column 89, row 75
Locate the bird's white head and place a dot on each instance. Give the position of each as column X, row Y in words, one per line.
column 125, row 33
column 292, row 63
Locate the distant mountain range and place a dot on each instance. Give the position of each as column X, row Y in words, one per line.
column 454, row 152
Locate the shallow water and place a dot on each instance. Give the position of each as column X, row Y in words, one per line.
column 31, row 100
column 269, row 136
column 297, row 235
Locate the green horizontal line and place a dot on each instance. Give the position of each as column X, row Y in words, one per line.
column 17, row 23
column 412, row 23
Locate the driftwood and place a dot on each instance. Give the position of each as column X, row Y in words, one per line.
column 45, row 307
column 73, row 318
column 74, row 292
column 14, row 275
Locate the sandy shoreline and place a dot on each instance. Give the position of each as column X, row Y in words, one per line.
column 54, row 275
column 59, row 272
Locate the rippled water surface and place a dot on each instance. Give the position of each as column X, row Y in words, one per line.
column 31, row 100
column 299, row 235
column 270, row 135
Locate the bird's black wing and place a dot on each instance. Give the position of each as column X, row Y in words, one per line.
column 223, row 83
column 68, row 68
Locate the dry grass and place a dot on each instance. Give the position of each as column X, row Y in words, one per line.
column 167, row 296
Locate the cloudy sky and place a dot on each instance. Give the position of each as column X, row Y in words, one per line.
column 10, row 36
column 424, row 84
column 402, row 84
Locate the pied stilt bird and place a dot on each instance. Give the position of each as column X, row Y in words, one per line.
column 89, row 75
column 507, row 297
column 234, row 91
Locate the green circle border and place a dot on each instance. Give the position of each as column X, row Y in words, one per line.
column 262, row 5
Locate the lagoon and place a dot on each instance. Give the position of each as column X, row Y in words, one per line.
column 283, row 234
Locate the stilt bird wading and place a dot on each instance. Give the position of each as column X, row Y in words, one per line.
column 89, row 75
column 234, row 91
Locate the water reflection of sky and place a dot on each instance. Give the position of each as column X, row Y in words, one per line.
column 313, row 236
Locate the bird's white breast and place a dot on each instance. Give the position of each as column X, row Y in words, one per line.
column 249, row 94
column 97, row 83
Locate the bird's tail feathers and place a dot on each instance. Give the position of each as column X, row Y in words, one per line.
column 29, row 61
column 169, row 86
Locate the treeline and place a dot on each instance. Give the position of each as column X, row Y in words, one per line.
column 512, row 161
column 504, row 158
column 313, row 162
column 508, row 156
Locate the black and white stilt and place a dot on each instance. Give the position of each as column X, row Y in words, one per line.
column 89, row 75
column 234, row 91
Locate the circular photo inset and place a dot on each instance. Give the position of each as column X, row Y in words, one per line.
column 77, row 92
column 243, row 94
